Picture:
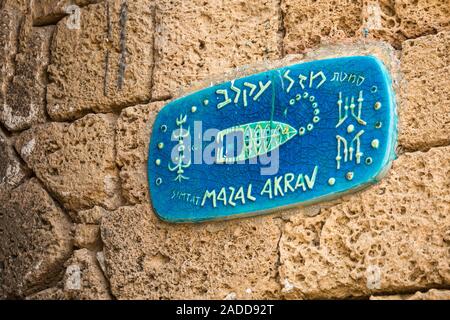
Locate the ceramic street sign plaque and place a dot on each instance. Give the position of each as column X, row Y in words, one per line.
column 295, row 135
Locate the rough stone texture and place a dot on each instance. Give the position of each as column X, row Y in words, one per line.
column 309, row 23
column 396, row 21
column 425, row 99
column 83, row 280
column 433, row 294
column 24, row 96
column 90, row 216
column 35, row 237
column 19, row 5
column 51, row 11
column 9, row 32
column 54, row 293
column 87, row 236
column 147, row 258
column 196, row 39
column 392, row 237
column 12, row 171
column 103, row 65
column 134, row 129
column 75, row 161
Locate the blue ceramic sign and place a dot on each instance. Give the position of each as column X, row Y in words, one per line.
column 295, row 135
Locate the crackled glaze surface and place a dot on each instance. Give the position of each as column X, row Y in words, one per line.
column 298, row 134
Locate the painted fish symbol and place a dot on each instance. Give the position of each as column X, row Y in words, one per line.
column 257, row 138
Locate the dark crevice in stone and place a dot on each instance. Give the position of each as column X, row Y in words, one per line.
column 404, row 150
column 122, row 198
column 106, row 75
column 107, row 53
column 407, row 291
column 5, row 131
column 162, row 98
column 123, row 45
column 281, row 29
column 424, row 34
column 115, row 109
column 47, row 78
column 108, row 21
column 108, row 283
column 278, row 262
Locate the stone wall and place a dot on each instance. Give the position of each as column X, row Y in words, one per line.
column 81, row 82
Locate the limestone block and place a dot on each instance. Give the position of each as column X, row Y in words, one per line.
column 425, row 101
column 10, row 22
column 195, row 39
column 149, row 259
column 87, row 236
column 134, row 128
column 102, row 62
column 12, row 171
column 393, row 237
column 309, row 23
column 396, row 21
column 35, row 237
column 24, row 96
column 75, row 161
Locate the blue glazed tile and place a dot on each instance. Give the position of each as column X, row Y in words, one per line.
column 295, row 135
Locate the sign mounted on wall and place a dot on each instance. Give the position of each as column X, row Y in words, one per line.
column 295, row 135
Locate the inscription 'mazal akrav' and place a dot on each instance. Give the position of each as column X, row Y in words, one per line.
column 295, row 135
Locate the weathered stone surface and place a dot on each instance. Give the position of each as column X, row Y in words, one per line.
column 103, row 64
column 308, row 23
column 54, row 293
column 392, row 237
column 87, row 236
column 425, row 101
column 12, row 171
column 196, row 39
column 433, row 294
column 50, row 11
column 24, row 96
column 83, row 280
column 75, row 161
column 9, row 33
column 147, row 258
column 35, row 237
column 396, row 21
column 19, row 5
column 134, row 129
column 90, row 216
